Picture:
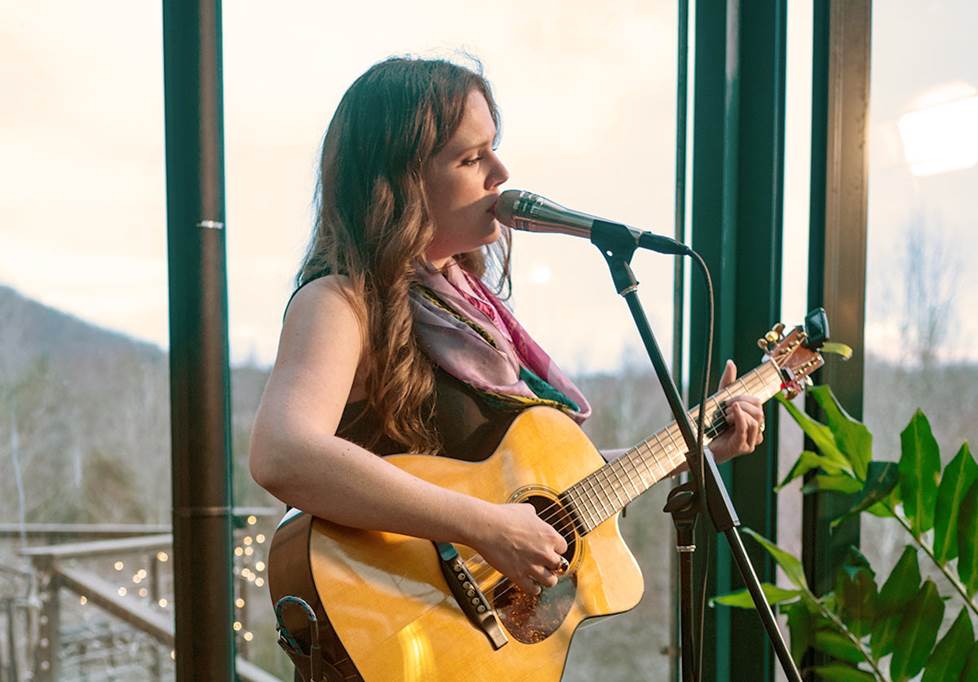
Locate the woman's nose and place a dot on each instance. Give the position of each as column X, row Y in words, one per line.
column 499, row 174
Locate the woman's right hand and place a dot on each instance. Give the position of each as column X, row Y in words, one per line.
column 521, row 546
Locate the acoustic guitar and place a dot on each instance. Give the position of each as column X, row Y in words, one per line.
column 405, row 609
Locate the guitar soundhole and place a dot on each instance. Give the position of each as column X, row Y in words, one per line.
column 533, row 618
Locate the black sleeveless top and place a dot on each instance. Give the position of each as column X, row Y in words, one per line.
column 470, row 429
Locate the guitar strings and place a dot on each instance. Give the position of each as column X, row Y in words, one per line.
column 716, row 427
column 567, row 523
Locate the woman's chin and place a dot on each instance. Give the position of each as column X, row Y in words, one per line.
column 494, row 234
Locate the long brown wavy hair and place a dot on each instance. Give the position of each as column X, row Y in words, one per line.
column 373, row 224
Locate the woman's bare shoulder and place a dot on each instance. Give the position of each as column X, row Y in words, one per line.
column 331, row 299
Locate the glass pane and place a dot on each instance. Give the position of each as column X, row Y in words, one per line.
column 794, row 291
column 922, row 276
column 84, row 379
column 588, row 105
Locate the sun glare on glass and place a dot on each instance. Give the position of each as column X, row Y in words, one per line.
column 942, row 134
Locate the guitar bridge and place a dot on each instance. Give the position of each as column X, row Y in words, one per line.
column 468, row 595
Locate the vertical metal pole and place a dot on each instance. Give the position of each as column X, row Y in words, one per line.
column 46, row 659
column 154, row 597
column 678, row 298
column 715, row 114
column 199, row 375
column 837, row 246
column 738, row 153
column 757, row 304
column 11, row 640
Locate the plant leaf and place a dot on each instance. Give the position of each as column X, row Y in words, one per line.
column 838, row 646
column 968, row 540
column 881, row 479
column 851, row 436
column 790, row 565
column 820, row 434
column 951, row 653
column 839, row 672
column 855, row 592
column 902, row 584
column 839, row 483
column 810, row 461
column 917, row 633
column 956, row 481
column 801, row 627
column 920, row 467
column 970, row 672
column 742, row 599
column 884, row 635
column 900, row 587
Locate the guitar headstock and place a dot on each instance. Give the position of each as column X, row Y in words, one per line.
column 799, row 352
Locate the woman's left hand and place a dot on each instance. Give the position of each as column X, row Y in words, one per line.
column 745, row 419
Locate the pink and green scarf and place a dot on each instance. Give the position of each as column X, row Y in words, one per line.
column 471, row 335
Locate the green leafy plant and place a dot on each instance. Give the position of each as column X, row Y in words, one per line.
column 861, row 623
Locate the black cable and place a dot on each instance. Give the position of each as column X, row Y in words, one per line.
column 700, row 431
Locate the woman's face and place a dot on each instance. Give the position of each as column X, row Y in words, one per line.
column 462, row 182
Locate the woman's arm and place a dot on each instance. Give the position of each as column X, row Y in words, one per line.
column 296, row 455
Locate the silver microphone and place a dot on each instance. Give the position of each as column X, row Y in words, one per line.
column 522, row 210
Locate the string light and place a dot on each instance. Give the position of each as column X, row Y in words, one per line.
column 245, row 549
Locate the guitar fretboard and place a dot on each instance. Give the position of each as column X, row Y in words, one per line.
column 606, row 491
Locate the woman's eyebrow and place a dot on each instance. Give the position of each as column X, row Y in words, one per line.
column 479, row 145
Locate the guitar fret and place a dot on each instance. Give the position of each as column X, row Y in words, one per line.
column 657, row 460
column 664, row 448
column 681, row 451
column 588, row 489
column 611, row 485
column 638, row 472
column 575, row 500
column 606, row 490
column 596, row 494
column 628, row 480
column 651, row 456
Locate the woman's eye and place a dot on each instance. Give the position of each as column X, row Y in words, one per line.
column 471, row 162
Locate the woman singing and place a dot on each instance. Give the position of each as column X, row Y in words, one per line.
column 395, row 340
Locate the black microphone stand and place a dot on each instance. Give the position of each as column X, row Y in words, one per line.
column 617, row 244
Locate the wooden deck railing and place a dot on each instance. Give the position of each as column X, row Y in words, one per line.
column 53, row 573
